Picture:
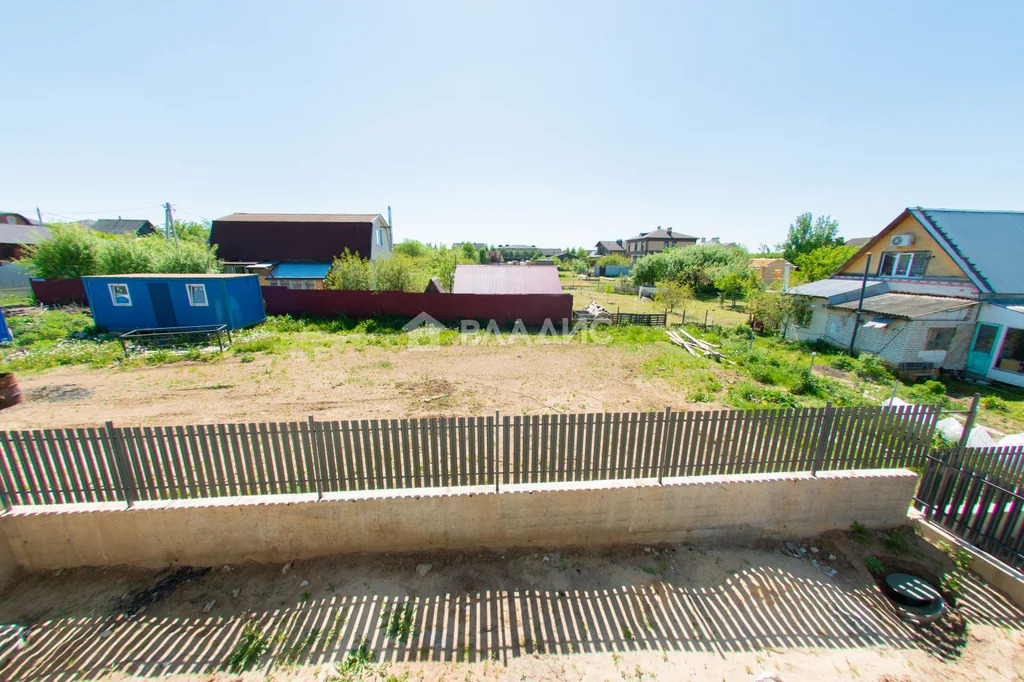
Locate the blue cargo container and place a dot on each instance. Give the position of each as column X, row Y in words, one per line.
column 125, row 302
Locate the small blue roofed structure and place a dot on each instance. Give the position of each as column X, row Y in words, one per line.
column 164, row 301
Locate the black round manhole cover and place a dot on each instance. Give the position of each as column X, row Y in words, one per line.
column 910, row 590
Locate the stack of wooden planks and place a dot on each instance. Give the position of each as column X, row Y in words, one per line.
column 695, row 346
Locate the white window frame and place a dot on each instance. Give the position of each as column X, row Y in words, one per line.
column 897, row 255
column 190, row 288
column 113, row 295
column 380, row 237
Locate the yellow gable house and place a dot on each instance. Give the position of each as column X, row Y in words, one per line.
column 942, row 291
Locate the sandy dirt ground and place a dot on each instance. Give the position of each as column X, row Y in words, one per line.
column 669, row 613
column 346, row 383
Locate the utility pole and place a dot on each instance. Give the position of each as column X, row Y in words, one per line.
column 860, row 305
column 39, row 214
column 169, row 223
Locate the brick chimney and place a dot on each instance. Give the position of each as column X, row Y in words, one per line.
column 670, row 232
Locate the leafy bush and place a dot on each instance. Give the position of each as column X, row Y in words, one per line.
column 870, row 367
column 745, row 394
column 51, row 325
column 930, row 392
column 71, row 252
column 808, row 384
column 995, row 403
column 860, row 533
column 695, row 266
column 126, row 255
column 349, row 272
column 875, row 565
column 843, row 362
column 613, row 259
column 393, row 274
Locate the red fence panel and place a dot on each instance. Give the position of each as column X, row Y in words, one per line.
column 532, row 309
column 59, row 291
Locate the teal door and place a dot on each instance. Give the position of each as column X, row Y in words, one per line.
column 979, row 359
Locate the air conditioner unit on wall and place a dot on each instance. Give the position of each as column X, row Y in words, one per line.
column 901, row 240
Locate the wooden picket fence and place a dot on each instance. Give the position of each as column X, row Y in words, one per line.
column 67, row 466
column 978, row 494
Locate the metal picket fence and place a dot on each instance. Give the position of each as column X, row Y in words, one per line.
column 128, row 464
column 978, row 494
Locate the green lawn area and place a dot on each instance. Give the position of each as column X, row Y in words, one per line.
column 12, row 297
column 758, row 372
column 584, row 292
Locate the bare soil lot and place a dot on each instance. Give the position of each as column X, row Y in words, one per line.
column 342, row 382
column 670, row 612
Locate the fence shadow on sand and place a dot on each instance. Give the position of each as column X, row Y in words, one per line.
column 486, row 608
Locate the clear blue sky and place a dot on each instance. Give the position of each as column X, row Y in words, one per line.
column 547, row 123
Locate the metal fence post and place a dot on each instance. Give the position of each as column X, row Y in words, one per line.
column 966, row 435
column 823, row 437
column 121, row 464
column 495, row 438
column 666, row 438
column 318, row 458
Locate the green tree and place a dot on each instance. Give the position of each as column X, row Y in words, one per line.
column 807, row 234
column 695, row 266
column 612, row 259
column 349, row 272
column 482, row 257
column 70, row 252
column 732, row 285
column 823, row 261
column 185, row 256
column 670, row 295
column 193, row 231
column 445, row 261
column 468, row 251
column 127, row 254
column 393, row 274
column 412, row 248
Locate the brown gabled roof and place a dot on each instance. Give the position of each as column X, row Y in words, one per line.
column 292, row 237
column 300, row 218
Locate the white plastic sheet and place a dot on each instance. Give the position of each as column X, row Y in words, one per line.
column 950, row 428
column 980, row 438
column 1011, row 440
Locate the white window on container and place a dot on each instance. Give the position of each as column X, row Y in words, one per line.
column 119, row 295
column 197, row 295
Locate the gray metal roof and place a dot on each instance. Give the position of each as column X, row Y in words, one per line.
column 661, row 234
column 839, row 290
column 990, row 242
column 22, row 234
column 118, row 226
column 908, row 306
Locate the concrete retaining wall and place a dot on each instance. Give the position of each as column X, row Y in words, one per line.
column 716, row 509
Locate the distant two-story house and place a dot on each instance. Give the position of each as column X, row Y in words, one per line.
column 655, row 241
column 296, row 250
column 944, row 290
column 607, row 247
